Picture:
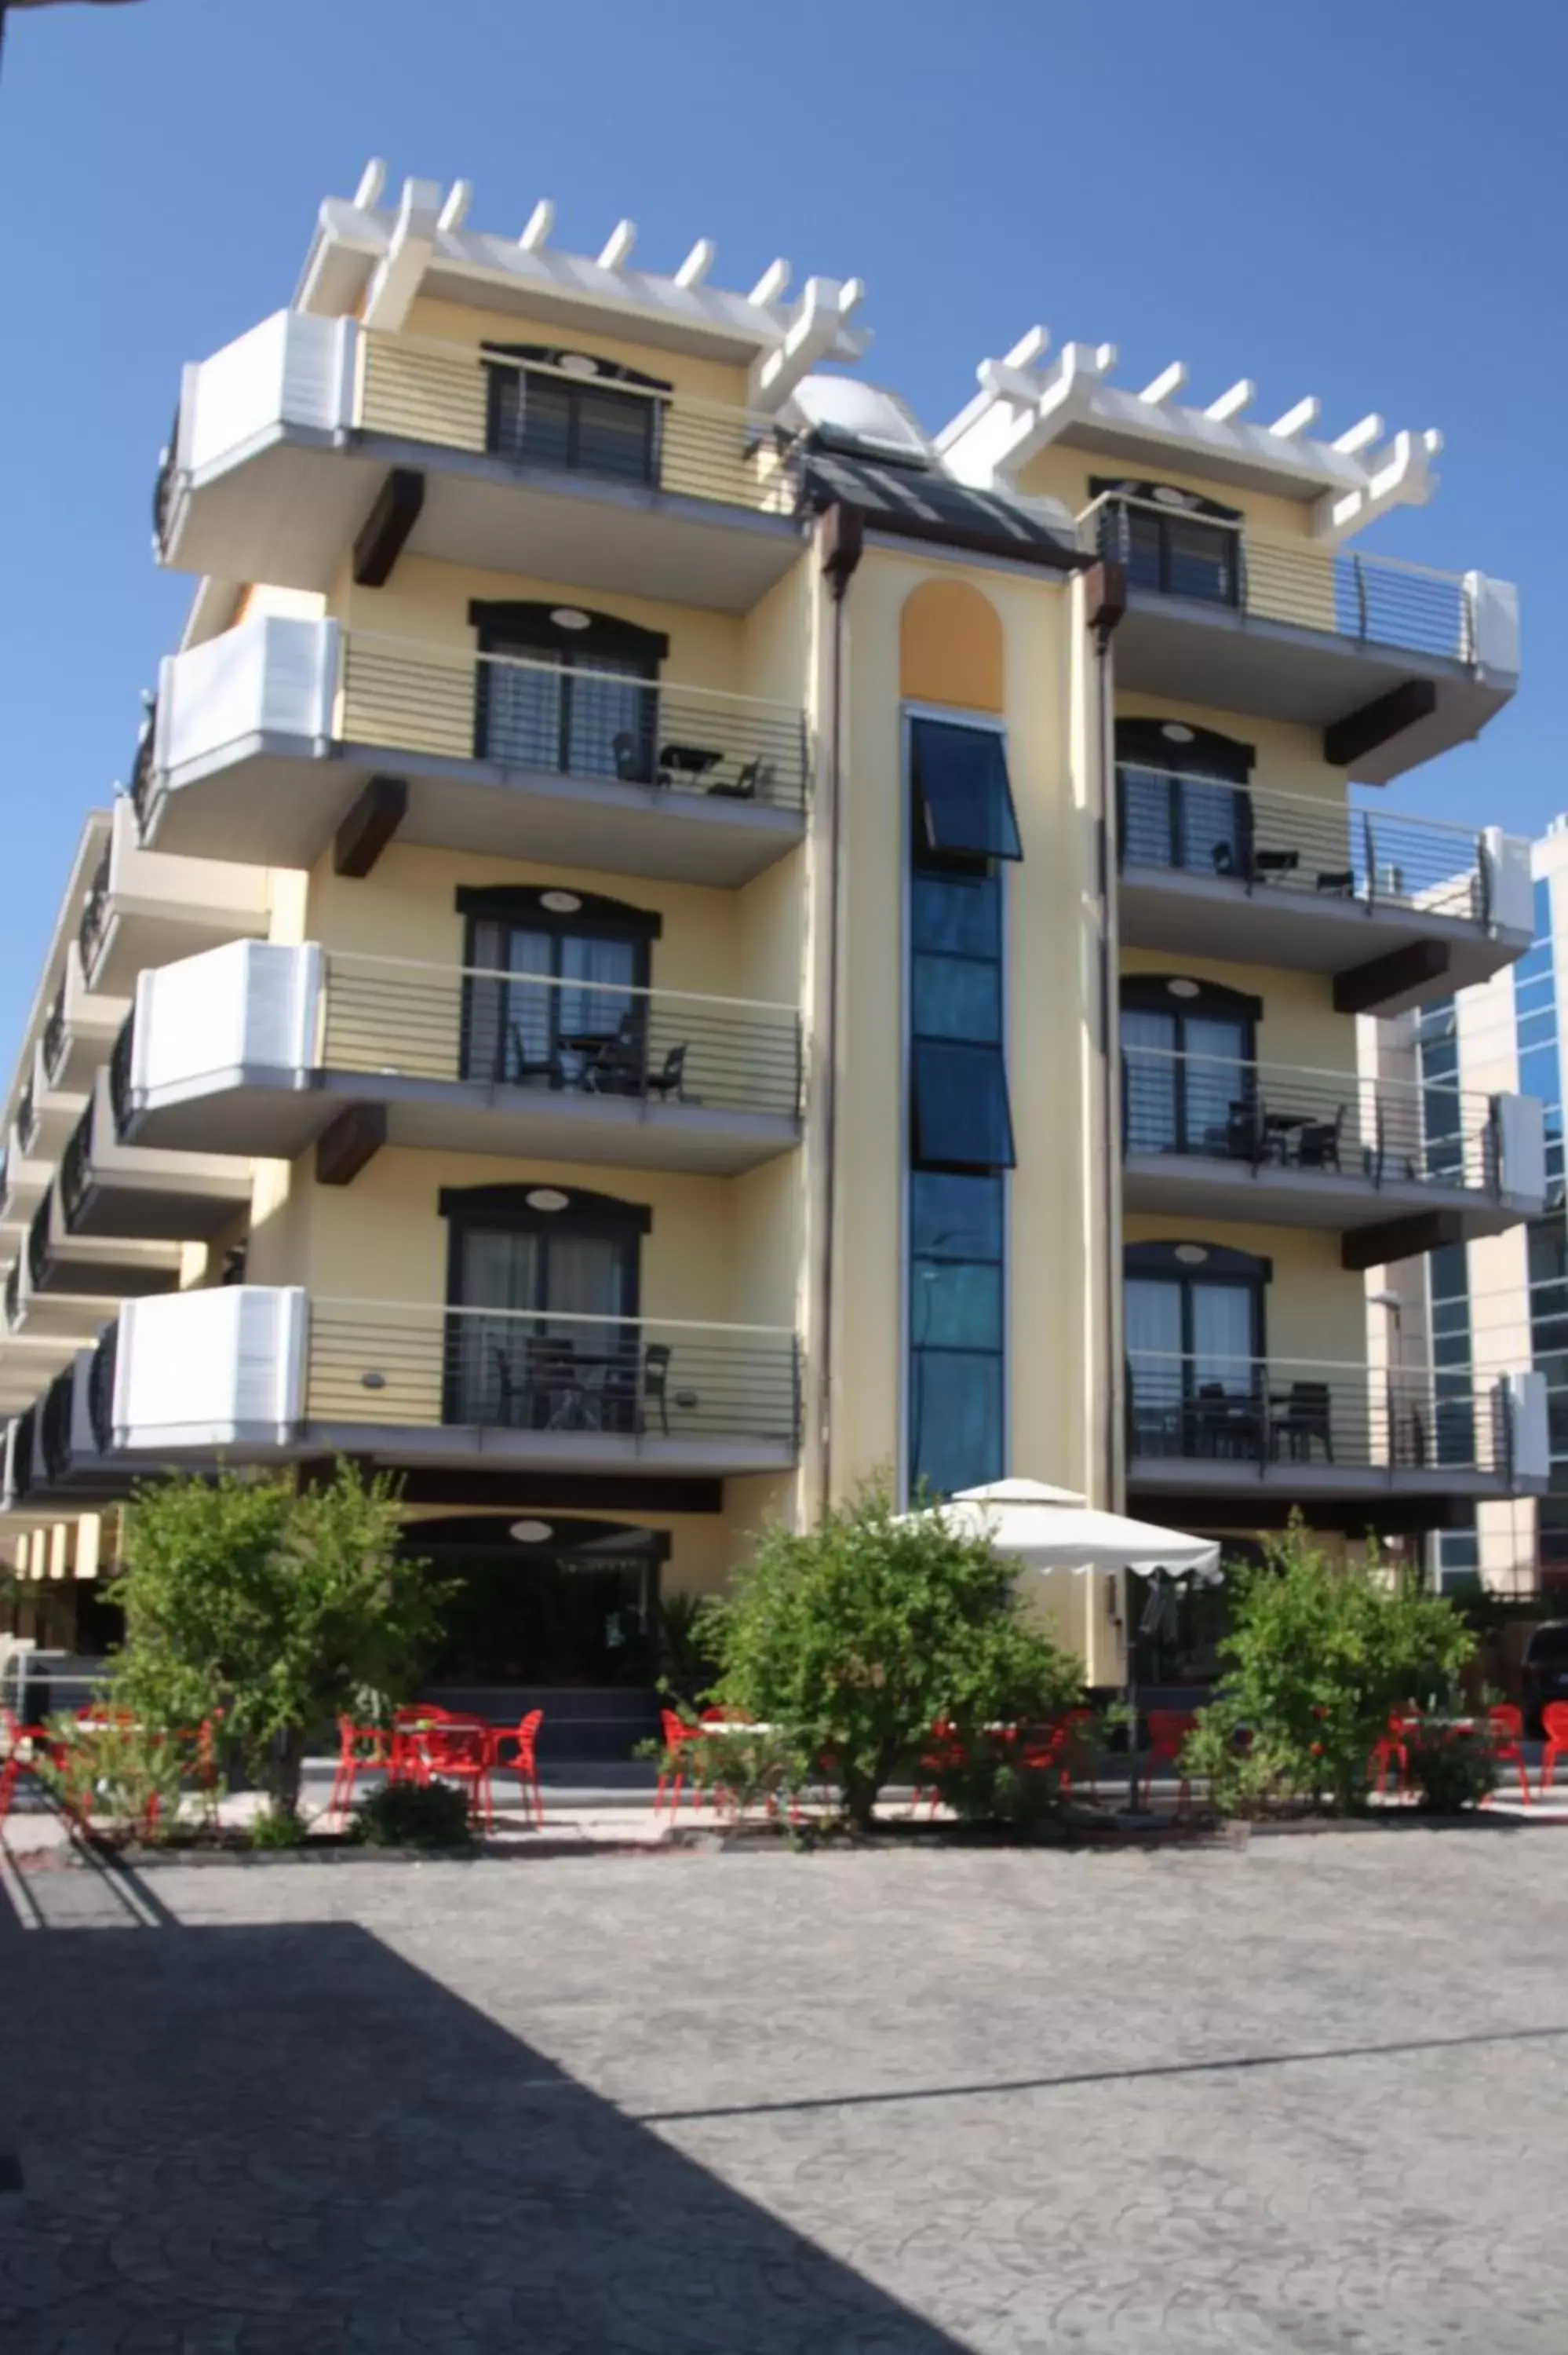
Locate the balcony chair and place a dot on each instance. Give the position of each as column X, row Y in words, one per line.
column 1554, row 1732
column 631, row 763
column 754, row 777
column 1221, row 1423
column 1335, row 882
column 1318, row 1146
column 1267, row 863
column 1298, row 1417
column 616, row 1069
column 656, row 1382
column 671, row 1080
column 526, row 1067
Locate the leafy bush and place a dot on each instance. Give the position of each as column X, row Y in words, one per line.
column 273, row 1605
column 987, row 1786
column 1321, row 1653
column 276, row 1828
column 741, row 1772
column 133, row 1774
column 853, row 1639
column 686, row 1664
column 1452, row 1768
column 413, row 1815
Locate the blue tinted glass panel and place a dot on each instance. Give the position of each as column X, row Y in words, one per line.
column 961, row 1115
column 963, row 800
column 955, row 1418
column 955, row 1304
column 960, row 913
column 954, row 1217
column 957, row 998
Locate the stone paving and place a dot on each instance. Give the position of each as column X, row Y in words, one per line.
column 1307, row 2095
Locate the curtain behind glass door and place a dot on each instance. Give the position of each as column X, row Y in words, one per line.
column 1222, row 1337
column 1153, row 1319
column 1218, row 1082
column 500, row 1270
column 1148, row 1047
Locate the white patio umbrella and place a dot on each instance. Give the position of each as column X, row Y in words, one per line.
column 1055, row 1529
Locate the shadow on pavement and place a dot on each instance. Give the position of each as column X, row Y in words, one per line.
column 290, row 2140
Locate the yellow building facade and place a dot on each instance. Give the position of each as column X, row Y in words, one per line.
column 677, row 943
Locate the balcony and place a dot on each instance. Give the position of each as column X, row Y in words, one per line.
column 57, row 1262
column 79, row 1029
column 1396, row 663
column 1315, row 1433
column 109, row 1189
column 267, row 1369
column 307, row 435
column 1393, row 1168
column 145, row 908
column 257, row 1049
column 1398, row 910
column 264, row 740
column 52, row 1322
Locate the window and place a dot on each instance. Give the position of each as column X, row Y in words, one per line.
column 960, row 1127
column 1535, row 1022
column 1182, row 796
column 575, row 693
column 558, row 1269
column 553, row 995
column 1453, row 1378
column 1442, row 1119
column 963, row 801
column 1189, row 1072
column 574, row 412
column 1171, row 540
column 956, row 1329
column 1194, row 1326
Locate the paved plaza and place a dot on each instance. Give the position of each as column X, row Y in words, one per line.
column 1306, row 2094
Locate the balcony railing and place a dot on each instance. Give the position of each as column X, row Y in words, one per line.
column 26, row 1116
column 74, row 1161
column 549, row 718
column 1260, row 1413
column 101, row 1387
column 54, row 1031
column 38, row 1231
column 55, row 1424
column 621, row 1377
column 143, row 766
column 535, row 415
column 119, row 1057
column 1273, row 1116
column 12, row 1295
column 530, row 1031
column 1373, row 600
column 1323, row 851
column 94, row 914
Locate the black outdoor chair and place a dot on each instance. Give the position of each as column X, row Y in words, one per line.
column 1339, row 882
column 526, row 1067
column 656, row 1381
column 1318, row 1146
column 756, row 777
column 1276, row 862
column 631, row 759
column 671, row 1080
column 1220, row 1423
column 1299, row 1418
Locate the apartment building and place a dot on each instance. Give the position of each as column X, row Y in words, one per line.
column 1477, row 1305
column 676, row 939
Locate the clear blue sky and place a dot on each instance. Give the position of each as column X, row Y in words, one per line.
column 1365, row 201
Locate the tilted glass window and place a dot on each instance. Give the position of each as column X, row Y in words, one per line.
column 963, row 801
column 961, row 1117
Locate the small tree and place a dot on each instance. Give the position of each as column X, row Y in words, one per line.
column 279, row 1606
column 853, row 1639
column 1319, row 1654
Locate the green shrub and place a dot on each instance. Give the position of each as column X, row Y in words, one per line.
column 1452, row 1768
column 413, row 1815
column 988, row 1786
column 275, row 1828
column 132, row 1775
column 743, row 1773
column 273, row 1605
column 1319, row 1655
column 853, row 1639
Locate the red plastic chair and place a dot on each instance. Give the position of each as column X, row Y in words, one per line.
column 1042, row 1750
column 1554, row 1726
column 459, row 1749
column 948, row 1754
column 678, row 1738
column 525, row 1736
column 409, row 1760
column 13, row 1764
column 354, row 1758
column 1168, row 1731
column 1506, row 1724
column 1392, row 1748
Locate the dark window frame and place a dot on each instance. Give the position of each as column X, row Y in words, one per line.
column 506, row 405
column 1159, row 507
column 527, row 627
column 1222, row 1266
column 1150, row 993
column 596, row 917
column 1206, row 759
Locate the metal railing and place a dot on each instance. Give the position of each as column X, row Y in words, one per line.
column 163, row 486
column 101, row 1387
column 1373, row 599
column 55, row 1422
column 1277, row 1117
column 538, row 417
column 620, row 1377
column 94, row 914
column 26, row 1116
column 525, row 1032
column 54, row 1038
column 73, row 1170
column 141, row 785
column 38, row 1229
column 22, row 1455
column 553, row 719
column 1295, row 1411
column 12, row 1295
column 1182, row 822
